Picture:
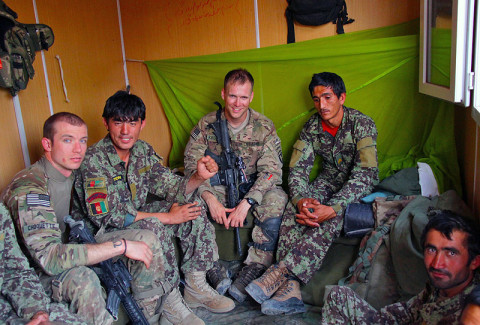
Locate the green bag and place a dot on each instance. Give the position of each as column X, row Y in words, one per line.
column 18, row 44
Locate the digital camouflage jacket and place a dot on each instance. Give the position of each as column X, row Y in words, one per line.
column 110, row 195
column 349, row 160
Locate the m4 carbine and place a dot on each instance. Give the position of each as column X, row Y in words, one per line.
column 114, row 276
column 231, row 168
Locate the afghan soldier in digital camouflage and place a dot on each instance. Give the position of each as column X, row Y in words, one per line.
column 345, row 140
column 22, row 297
column 253, row 138
column 111, row 190
column 38, row 198
column 451, row 256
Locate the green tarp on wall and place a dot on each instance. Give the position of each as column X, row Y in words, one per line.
column 380, row 70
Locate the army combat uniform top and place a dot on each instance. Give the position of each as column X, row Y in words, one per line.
column 349, row 172
column 22, row 295
column 258, row 144
column 38, row 212
column 344, row 306
column 109, row 195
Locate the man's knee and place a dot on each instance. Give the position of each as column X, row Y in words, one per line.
column 267, row 238
column 78, row 281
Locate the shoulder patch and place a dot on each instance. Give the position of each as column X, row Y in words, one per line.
column 98, row 182
column 98, row 208
column 278, row 148
column 34, row 199
column 195, row 133
column 297, row 152
column 157, row 159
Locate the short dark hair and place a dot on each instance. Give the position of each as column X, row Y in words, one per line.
column 328, row 80
column 123, row 106
column 238, row 75
column 445, row 221
column 49, row 125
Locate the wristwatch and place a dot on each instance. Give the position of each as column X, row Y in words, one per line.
column 251, row 201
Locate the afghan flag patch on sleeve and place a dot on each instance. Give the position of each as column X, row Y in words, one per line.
column 98, row 208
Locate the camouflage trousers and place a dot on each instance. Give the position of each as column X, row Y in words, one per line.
column 198, row 248
column 81, row 289
column 148, row 285
column 268, row 216
column 58, row 313
column 344, row 306
column 303, row 248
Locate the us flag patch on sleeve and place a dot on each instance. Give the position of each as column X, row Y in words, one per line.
column 195, row 133
column 34, row 199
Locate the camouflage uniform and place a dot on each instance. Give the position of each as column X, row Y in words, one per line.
column 22, row 295
column 59, row 265
column 259, row 146
column 349, row 171
column 344, row 306
column 110, row 195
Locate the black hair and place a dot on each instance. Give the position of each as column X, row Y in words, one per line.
column 328, row 80
column 446, row 222
column 123, row 106
column 49, row 125
column 238, row 75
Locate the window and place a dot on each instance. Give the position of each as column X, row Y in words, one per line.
column 446, row 52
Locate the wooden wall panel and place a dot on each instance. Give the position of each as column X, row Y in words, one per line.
column 87, row 40
column 10, row 150
column 467, row 137
column 367, row 14
column 169, row 29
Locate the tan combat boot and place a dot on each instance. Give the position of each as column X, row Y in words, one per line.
column 176, row 312
column 265, row 286
column 287, row 300
column 199, row 294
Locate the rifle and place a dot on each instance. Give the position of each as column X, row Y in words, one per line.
column 231, row 171
column 114, row 276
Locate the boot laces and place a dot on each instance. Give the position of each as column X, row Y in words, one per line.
column 176, row 306
column 200, row 282
column 216, row 274
column 285, row 289
column 250, row 273
column 271, row 276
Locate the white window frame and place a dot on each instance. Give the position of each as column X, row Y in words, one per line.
column 461, row 74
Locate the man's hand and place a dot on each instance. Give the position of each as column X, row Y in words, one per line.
column 312, row 213
column 40, row 317
column 237, row 217
column 184, row 213
column 217, row 211
column 206, row 167
column 139, row 251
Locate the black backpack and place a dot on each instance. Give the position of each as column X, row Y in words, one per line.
column 314, row 13
column 18, row 44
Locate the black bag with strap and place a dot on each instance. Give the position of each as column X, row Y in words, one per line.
column 315, row 13
column 18, row 44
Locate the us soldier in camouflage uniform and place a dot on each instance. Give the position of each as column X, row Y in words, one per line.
column 111, row 190
column 21, row 294
column 252, row 137
column 38, row 199
column 345, row 140
column 451, row 255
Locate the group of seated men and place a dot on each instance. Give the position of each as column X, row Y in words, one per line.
column 113, row 180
